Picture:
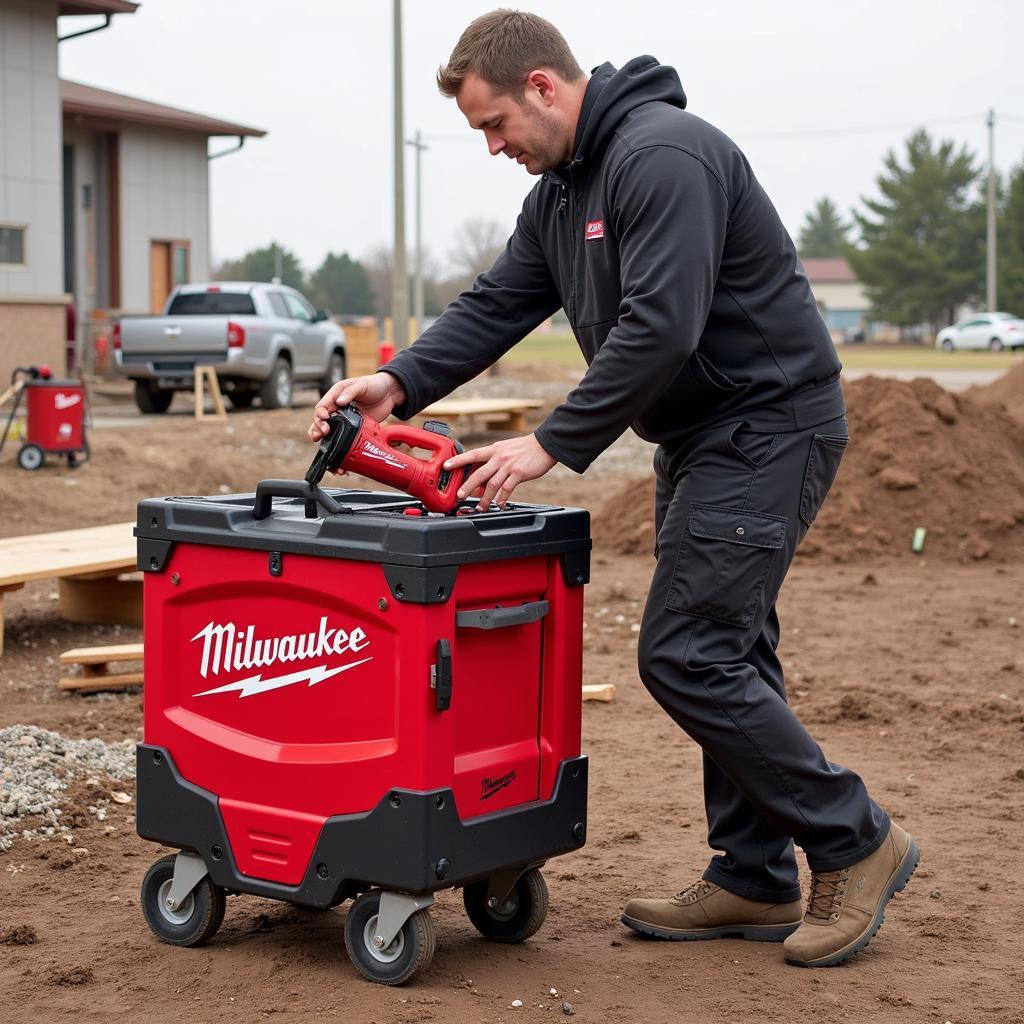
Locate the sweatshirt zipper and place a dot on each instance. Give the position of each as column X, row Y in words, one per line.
column 572, row 247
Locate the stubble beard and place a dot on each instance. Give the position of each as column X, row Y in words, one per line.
column 545, row 145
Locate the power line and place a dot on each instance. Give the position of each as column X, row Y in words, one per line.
column 804, row 133
column 860, row 129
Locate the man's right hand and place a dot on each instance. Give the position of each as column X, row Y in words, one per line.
column 376, row 396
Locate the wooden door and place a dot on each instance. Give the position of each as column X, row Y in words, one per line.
column 159, row 275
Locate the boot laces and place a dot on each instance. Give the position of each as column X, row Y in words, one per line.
column 827, row 891
column 694, row 892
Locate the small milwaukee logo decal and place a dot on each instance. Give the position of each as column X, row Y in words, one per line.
column 371, row 451
column 63, row 401
column 489, row 786
column 595, row 229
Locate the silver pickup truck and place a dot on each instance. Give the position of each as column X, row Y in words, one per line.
column 261, row 339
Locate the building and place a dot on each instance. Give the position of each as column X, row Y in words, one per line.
column 104, row 198
column 840, row 296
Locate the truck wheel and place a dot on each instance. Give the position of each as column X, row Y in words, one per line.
column 198, row 917
column 518, row 917
column 335, row 372
column 410, row 950
column 276, row 392
column 150, row 399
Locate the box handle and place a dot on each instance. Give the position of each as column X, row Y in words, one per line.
column 267, row 490
column 496, row 618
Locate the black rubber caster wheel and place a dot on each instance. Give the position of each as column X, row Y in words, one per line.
column 518, row 917
column 410, row 950
column 31, row 456
column 198, row 917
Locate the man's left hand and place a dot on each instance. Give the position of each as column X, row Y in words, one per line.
column 505, row 465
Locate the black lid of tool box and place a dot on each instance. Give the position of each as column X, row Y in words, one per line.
column 370, row 526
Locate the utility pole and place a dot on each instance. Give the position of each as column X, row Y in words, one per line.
column 419, row 145
column 399, row 276
column 990, row 245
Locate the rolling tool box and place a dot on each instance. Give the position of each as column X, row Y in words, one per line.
column 348, row 697
column 54, row 420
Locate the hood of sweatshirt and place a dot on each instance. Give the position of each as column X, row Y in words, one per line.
column 612, row 93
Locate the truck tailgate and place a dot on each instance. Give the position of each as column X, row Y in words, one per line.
column 174, row 337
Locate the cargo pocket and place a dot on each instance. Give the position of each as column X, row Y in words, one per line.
column 822, row 466
column 723, row 562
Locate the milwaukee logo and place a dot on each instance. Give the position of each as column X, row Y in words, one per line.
column 230, row 649
column 371, row 451
column 595, row 229
column 62, row 401
column 489, row 786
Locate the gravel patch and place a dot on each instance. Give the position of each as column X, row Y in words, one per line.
column 37, row 765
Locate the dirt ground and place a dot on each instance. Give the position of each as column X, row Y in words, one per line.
column 906, row 667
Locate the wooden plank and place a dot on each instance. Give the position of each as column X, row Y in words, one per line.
column 108, row 600
column 362, row 349
column 97, row 683
column 67, row 553
column 602, row 692
column 479, row 406
column 102, row 655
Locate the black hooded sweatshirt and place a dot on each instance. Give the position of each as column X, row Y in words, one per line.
column 681, row 284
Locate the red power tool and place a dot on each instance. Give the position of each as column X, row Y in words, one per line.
column 358, row 444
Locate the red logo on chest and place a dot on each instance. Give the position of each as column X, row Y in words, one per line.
column 595, row 229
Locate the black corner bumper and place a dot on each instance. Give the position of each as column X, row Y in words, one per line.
column 412, row 842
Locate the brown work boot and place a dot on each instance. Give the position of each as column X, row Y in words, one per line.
column 846, row 907
column 706, row 911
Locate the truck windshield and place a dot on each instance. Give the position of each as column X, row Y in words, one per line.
column 197, row 303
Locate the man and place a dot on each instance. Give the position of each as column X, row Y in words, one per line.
column 686, row 296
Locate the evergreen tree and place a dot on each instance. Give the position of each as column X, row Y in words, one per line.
column 918, row 255
column 260, row 265
column 1010, row 246
column 824, row 233
column 342, row 285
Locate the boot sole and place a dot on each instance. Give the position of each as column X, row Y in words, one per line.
column 753, row 932
column 897, row 883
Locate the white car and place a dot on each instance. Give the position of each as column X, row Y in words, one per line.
column 994, row 331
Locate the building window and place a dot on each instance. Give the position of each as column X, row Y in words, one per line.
column 12, row 245
column 180, row 260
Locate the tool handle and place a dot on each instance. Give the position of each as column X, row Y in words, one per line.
column 267, row 490
column 439, row 445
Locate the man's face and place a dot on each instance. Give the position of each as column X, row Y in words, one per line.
column 531, row 133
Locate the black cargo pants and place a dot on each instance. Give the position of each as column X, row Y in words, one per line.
column 731, row 508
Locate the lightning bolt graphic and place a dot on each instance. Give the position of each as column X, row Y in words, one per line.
column 257, row 684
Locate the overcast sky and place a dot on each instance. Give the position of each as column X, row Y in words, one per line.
column 317, row 75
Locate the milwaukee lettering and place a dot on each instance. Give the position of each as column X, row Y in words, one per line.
column 229, row 649
column 489, row 786
column 371, row 451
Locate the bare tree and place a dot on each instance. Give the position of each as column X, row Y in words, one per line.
column 378, row 262
column 478, row 242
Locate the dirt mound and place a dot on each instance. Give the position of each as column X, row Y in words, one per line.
column 1007, row 391
column 919, row 456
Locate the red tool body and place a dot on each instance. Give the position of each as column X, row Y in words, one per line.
column 358, row 444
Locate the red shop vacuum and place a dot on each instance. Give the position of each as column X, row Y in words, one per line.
column 350, row 695
column 54, row 417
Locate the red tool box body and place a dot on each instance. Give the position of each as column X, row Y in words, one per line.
column 56, row 415
column 374, row 698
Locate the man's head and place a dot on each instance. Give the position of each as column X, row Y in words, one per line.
column 514, row 77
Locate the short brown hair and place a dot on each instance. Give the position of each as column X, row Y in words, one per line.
column 503, row 47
